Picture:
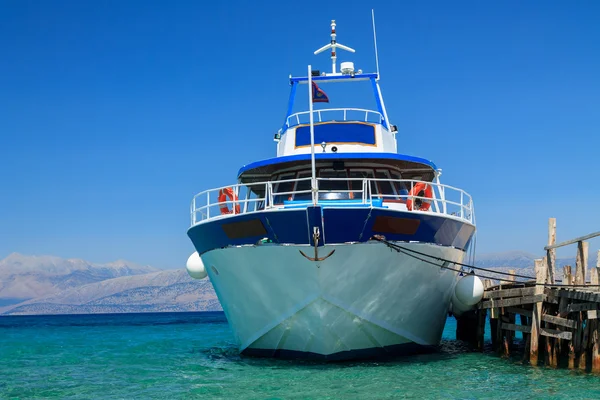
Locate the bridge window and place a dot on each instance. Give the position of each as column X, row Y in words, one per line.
column 384, row 187
column 342, row 185
column 336, row 188
column 303, row 185
column 402, row 188
column 337, row 133
column 282, row 189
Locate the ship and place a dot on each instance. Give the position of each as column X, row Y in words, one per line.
column 339, row 247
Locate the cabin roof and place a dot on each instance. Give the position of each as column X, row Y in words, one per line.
column 252, row 172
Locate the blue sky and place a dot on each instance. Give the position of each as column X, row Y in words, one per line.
column 114, row 113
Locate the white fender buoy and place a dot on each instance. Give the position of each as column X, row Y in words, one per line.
column 195, row 266
column 469, row 290
column 457, row 307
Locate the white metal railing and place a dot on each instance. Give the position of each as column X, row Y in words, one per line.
column 334, row 114
column 359, row 192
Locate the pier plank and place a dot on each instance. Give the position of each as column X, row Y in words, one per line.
column 514, row 301
column 553, row 333
column 496, row 294
column 568, row 323
column 543, row 331
column 582, row 307
column 579, row 295
column 573, row 241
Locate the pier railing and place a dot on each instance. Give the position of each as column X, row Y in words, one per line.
column 397, row 194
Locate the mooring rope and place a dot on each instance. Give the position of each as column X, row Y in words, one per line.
column 407, row 251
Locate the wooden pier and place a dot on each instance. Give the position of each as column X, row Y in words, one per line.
column 558, row 316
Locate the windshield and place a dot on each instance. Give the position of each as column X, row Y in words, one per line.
column 341, row 184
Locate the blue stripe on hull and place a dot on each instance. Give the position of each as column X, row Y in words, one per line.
column 337, row 225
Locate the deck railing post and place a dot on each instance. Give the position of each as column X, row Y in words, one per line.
column 193, row 210
column 208, row 205
column 236, row 198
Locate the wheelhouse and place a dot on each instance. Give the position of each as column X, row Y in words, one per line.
column 339, row 177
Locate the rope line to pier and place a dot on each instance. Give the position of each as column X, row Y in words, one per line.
column 407, row 251
column 453, row 262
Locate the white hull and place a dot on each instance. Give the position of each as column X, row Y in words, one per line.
column 365, row 297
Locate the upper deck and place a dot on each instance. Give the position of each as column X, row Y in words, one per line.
column 343, row 130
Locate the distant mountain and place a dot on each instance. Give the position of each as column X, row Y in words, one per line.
column 24, row 277
column 52, row 285
column 171, row 290
column 522, row 260
column 512, row 259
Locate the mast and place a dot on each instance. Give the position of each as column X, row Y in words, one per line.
column 312, row 139
column 333, row 45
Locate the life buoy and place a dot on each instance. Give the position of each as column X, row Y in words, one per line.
column 421, row 189
column 224, row 194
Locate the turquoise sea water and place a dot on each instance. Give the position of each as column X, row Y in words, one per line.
column 192, row 355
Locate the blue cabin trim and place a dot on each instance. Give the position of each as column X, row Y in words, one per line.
column 291, row 100
column 294, row 81
column 377, row 92
column 338, row 225
column 337, row 156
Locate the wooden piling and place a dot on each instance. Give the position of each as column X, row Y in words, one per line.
column 540, row 279
column 551, row 253
column 482, row 314
column 594, row 323
column 581, row 261
column 567, row 275
column 582, row 332
column 511, row 277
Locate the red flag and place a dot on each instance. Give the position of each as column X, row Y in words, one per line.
column 318, row 95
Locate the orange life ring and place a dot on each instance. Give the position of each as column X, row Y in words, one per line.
column 224, row 194
column 421, row 189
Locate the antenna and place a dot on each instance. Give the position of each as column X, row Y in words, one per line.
column 333, row 45
column 375, row 41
